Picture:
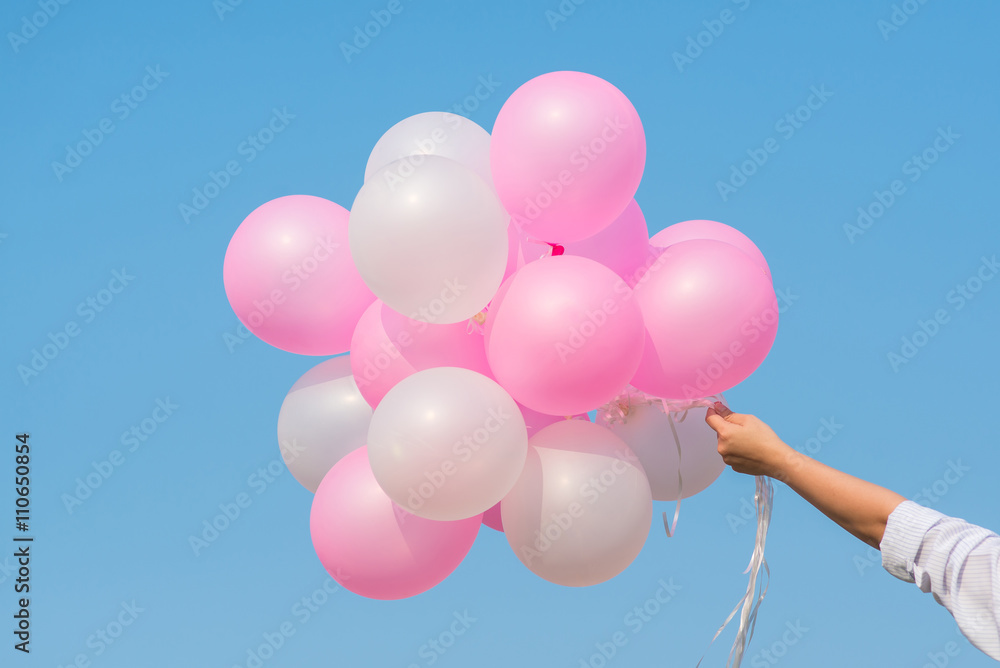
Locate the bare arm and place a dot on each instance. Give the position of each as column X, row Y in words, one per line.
column 749, row 446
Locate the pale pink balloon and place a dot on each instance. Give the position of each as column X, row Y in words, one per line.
column 290, row 279
column 373, row 547
column 709, row 229
column 564, row 335
column 711, row 316
column 567, row 154
column 534, row 422
column 387, row 347
column 621, row 246
column 581, row 510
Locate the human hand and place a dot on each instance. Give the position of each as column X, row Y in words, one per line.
column 748, row 445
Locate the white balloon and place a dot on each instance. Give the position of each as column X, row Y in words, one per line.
column 434, row 133
column 322, row 419
column 447, row 443
column 580, row 512
column 431, row 241
column 646, row 430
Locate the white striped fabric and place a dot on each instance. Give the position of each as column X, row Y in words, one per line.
column 957, row 562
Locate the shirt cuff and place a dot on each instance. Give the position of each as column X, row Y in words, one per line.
column 904, row 534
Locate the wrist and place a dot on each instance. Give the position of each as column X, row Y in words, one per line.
column 787, row 463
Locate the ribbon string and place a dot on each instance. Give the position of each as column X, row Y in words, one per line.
column 748, row 606
column 764, row 500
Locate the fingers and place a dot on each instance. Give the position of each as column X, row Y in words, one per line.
column 714, row 420
column 722, row 409
column 729, row 416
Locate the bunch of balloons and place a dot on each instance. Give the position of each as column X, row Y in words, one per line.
column 491, row 291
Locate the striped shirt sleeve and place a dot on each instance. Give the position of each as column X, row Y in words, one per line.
column 957, row 562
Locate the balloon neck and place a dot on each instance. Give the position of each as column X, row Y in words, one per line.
column 557, row 249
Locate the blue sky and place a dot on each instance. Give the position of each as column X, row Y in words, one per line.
column 159, row 353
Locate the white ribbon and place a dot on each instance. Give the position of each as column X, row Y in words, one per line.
column 764, row 500
column 749, row 604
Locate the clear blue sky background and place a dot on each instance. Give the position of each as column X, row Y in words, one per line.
column 162, row 337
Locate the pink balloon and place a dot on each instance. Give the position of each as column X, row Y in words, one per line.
column 535, row 422
column 387, row 347
column 564, row 335
column 711, row 317
column 567, row 154
column 709, row 229
column 621, row 246
column 372, row 546
column 290, row 278
column 514, row 258
column 492, row 519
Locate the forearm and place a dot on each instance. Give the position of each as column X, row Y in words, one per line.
column 860, row 507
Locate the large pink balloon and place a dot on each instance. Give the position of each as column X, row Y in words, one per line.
column 621, row 246
column 290, row 278
column 387, row 347
column 372, row 546
column 567, row 154
column 709, row 229
column 564, row 335
column 711, row 316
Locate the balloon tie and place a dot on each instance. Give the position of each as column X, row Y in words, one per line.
column 477, row 323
